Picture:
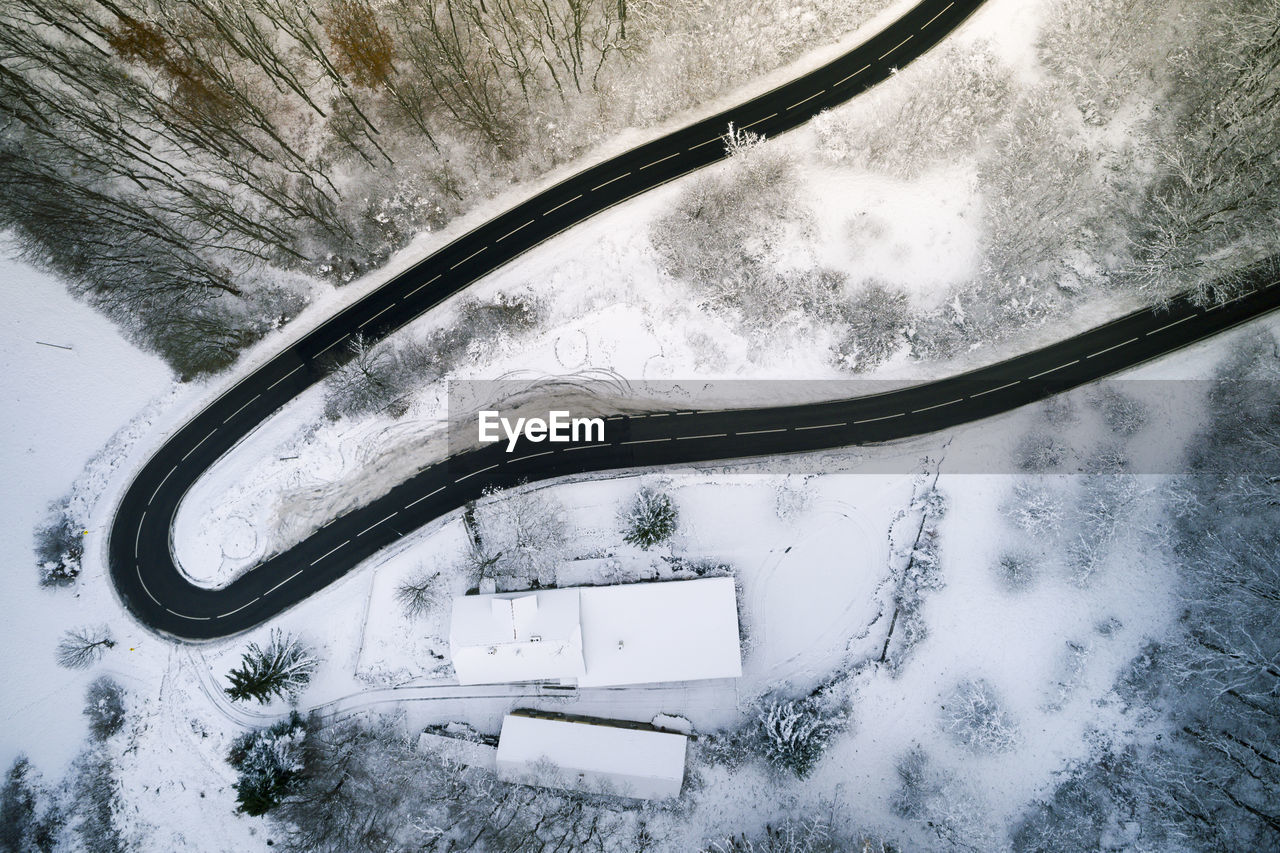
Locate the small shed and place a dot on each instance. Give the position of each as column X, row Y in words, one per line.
column 598, row 756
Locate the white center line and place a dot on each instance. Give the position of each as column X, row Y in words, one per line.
column 896, row 46
column 419, row 287
column 656, row 162
column 1052, row 369
column 854, row 74
column 822, row 426
column 882, row 418
column 138, row 535
column 376, row 523
column 1110, row 348
column 760, row 431
column 806, row 100
column 144, row 586
column 937, row 406
column 376, row 316
column 937, row 16
column 283, row 378
column 644, row 441
column 611, row 180
column 335, row 343
column 512, row 231
column 237, row 610
column 192, row 618
column 532, row 456
column 162, row 482
column 586, row 447
column 473, row 473
column 198, row 443
column 282, row 583
column 318, row 559
column 999, row 388
column 424, row 497
column 692, row 437
column 708, row 142
column 242, row 408
column 563, row 203
column 757, row 121
column 467, row 258
column 1171, row 325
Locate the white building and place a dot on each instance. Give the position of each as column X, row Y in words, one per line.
column 591, row 755
column 599, row 636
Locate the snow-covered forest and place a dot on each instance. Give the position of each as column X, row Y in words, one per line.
column 195, row 169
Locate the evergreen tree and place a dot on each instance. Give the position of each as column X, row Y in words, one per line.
column 269, row 761
column 651, row 518
column 281, row 669
column 104, row 706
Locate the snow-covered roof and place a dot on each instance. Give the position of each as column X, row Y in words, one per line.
column 599, row 636
column 591, row 755
column 647, row 632
column 525, row 636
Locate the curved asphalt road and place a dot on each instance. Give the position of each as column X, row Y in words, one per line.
column 139, row 551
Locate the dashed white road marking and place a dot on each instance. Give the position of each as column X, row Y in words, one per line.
column 656, row 162
column 162, row 482
column 283, row 582
column 198, row 443
column 376, row 523
column 881, row 418
column 611, row 180
column 238, row 609
column 708, row 142
column 419, row 287
column 283, row 378
column 1052, row 369
column 192, row 618
column 334, row 344
column 692, row 437
column 242, row 408
column 473, row 473
column 318, row 559
column 1171, row 325
column 644, row 441
column 513, row 230
column 531, row 456
column 806, row 100
column 468, row 257
column 137, row 537
column 760, row 431
column 937, row 406
column 757, row 121
column 896, row 46
column 937, row 16
column 424, row 497
column 998, row 388
column 851, row 76
column 138, row 569
column 563, row 203
column 586, row 447
column 380, row 313
column 1110, row 348
column 822, row 426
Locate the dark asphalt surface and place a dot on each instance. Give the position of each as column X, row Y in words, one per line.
column 139, row 551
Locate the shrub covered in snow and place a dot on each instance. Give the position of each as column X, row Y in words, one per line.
column 651, row 519
column 282, row 668
column 795, row 733
column 59, row 546
column 975, row 716
column 269, row 762
column 1016, row 570
column 104, row 706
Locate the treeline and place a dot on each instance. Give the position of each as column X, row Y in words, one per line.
column 174, row 160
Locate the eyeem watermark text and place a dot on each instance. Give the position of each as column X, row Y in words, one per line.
column 557, row 427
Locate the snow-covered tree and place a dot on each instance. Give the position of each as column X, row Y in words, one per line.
column 29, row 817
column 976, row 717
column 269, row 761
column 283, row 668
column 651, row 518
column 104, row 706
column 82, row 647
column 795, row 733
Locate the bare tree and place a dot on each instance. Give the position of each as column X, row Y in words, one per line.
column 419, row 594
column 83, row 647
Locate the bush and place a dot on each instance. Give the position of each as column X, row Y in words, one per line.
column 874, row 324
column 1040, row 452
column 651, row 519
column 794, row 734
column 1016, row 571
column 104, row 706
column 269, row 762
column 975, row 718
column 59, row 546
